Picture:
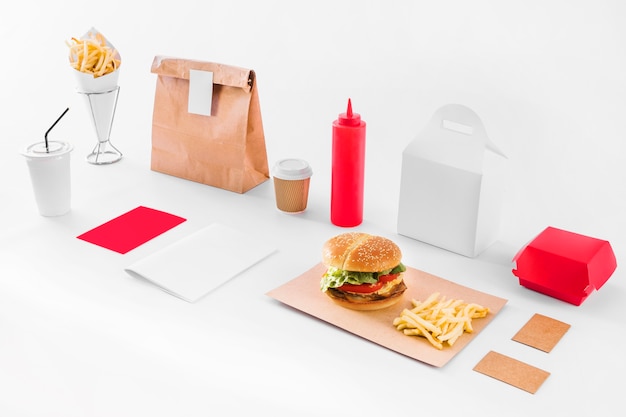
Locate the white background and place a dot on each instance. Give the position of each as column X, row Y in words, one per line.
column 78, row 337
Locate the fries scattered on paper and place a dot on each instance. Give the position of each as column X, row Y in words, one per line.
column 92, row 55
column 439, row 320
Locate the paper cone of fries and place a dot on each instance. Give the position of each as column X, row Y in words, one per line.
column 96, row 64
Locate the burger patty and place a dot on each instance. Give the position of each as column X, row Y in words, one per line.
column 388, row 291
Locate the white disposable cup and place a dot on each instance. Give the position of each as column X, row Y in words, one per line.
column 291, row 184
column 50, row 176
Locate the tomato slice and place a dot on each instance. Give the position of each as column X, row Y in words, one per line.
column 387, row 278
column 368, row 288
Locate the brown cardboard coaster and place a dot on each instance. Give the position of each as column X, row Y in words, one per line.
column 511, row 371
column 541, row 332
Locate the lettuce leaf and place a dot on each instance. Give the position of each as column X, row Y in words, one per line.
column 334, row 277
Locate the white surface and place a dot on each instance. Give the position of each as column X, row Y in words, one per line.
column 80, row 337
column 195, row 265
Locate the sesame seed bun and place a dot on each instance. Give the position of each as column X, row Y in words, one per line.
column 361, row 252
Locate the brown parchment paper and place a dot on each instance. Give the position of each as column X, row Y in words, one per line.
column 303, row 293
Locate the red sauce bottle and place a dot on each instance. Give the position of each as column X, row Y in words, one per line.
column 348, row 169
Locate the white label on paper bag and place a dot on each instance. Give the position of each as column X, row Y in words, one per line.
column 200, row 92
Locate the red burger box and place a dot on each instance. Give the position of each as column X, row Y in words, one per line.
column 565, row 265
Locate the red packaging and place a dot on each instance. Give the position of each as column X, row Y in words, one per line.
column 565, row 265
column 348, row 169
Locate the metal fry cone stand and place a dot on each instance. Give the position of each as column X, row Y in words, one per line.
column 102, row 105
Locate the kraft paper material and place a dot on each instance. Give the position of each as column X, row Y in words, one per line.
column 224, row 150
column 512, row 371
column 541, row 332
column 304, row 294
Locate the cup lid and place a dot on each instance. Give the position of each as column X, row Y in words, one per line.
column 292, row 169
column 54, row 148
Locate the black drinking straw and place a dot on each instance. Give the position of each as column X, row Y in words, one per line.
column 53, row 124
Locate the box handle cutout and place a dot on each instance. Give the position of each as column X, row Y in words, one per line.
column 457, row 127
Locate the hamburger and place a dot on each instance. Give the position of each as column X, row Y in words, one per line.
column 364, row 272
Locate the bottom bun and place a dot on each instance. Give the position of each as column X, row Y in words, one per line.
column 367, row 305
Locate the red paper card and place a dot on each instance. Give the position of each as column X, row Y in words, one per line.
column 134, row 228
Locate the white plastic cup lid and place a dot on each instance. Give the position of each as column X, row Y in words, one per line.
column 292, row 169
column 54, row 148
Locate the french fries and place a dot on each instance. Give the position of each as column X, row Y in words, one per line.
column 439, row 320
column 92, row 55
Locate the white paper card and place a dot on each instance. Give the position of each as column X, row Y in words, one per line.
column 197, row 264
column 200, row 92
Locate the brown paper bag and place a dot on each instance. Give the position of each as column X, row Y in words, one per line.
column 227, row 148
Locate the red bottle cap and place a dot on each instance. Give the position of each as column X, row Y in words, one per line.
column 349, row 118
